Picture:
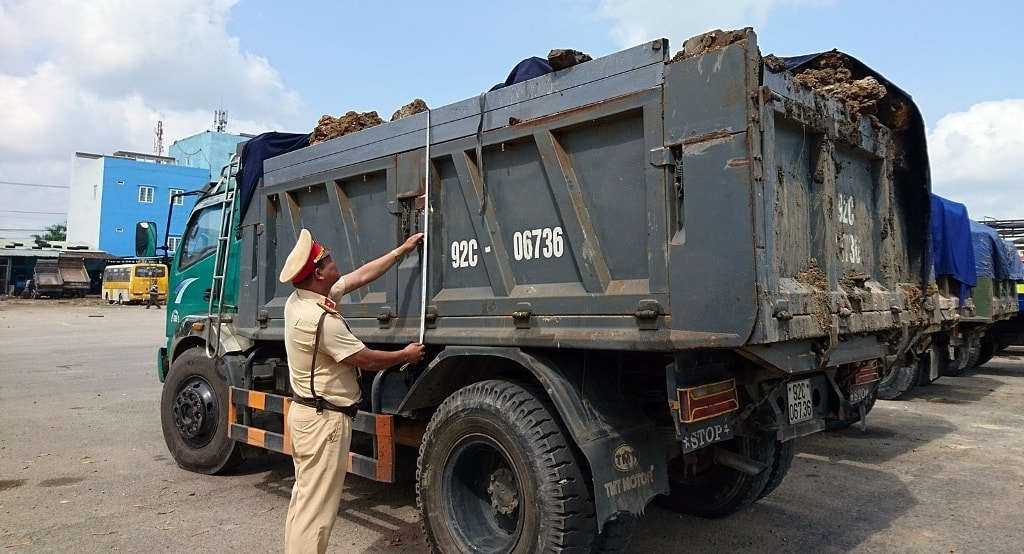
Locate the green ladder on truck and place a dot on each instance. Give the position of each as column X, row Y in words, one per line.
column 226, row 185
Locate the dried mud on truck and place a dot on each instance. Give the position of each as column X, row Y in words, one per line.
column 645, row 277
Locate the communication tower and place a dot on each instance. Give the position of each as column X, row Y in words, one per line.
column 220, row 121
column 158, row 141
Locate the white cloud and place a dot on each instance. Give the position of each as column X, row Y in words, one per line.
column 638, row 21
column 96, row 76
column 977, row 158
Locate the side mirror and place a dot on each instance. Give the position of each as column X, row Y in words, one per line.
column 145, row 239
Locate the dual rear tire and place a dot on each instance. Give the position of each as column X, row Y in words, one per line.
column 497, row 474
column 700, row 486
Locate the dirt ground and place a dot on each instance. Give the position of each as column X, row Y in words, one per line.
column 84, row 468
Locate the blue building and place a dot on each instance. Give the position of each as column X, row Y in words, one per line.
column 109, row 195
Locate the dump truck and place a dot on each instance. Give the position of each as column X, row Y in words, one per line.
column 992, row 301
column 644, row 277
column 46, row 279
column 75, row 277
column 1009, row 331
column 977, row 279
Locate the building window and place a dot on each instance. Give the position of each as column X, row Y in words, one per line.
column 172, row 244
column 146, row 195
column 177, row 200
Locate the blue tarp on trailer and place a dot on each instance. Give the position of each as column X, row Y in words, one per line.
column 952, row 247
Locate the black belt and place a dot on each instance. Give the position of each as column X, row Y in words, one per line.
column 319, row 404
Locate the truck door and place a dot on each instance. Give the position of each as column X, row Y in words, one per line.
column 192, row 268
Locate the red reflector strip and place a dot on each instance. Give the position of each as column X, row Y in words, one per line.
column 707, row 401
column 866, row 375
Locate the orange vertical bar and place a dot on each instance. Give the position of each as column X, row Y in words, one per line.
column 385, row 441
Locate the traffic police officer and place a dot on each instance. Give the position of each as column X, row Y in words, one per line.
column 323, row 357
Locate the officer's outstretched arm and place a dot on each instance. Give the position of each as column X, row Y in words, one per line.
column 371, row 270
column 375, row 360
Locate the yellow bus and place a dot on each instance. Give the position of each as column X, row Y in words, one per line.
column 129, row 283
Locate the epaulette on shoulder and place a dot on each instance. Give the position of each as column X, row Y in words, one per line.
column 327, row 307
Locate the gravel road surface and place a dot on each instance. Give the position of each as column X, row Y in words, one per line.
column 84, row 468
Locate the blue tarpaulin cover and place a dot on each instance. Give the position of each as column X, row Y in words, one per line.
column 952, row 247
column 1014, row 267
column 258, row 149
column 995, row 258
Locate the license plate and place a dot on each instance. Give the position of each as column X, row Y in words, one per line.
column 798, row 393
column 699, row 435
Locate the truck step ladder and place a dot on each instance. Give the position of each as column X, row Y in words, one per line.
column 227, row 185
column 380, row 467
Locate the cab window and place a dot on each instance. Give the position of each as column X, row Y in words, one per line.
column 201, row 235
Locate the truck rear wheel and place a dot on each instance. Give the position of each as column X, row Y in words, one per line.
column 987, row 350
column 716, row 490
column 958, row 365
column 781, row 462
column 194, row 415
column 897, row 381
column 496, row 474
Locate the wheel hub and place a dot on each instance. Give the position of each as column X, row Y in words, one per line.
column 502, row 489
column 193, row 407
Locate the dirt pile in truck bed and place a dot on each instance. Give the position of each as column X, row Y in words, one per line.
column 833, row 79
column 333, row 127
column 412, row 108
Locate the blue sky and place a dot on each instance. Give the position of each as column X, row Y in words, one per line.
column 96, row 76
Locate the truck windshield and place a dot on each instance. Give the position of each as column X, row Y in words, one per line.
column 201, row 236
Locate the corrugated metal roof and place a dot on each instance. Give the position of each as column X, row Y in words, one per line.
column 27, row 248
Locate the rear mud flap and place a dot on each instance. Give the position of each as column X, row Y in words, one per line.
column 629, row 468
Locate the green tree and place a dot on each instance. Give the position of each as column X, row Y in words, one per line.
column 57, row 231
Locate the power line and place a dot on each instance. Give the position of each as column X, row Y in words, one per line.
column 31, row 212
column 12, row 183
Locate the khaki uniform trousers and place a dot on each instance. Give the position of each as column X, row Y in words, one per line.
column 320, row 446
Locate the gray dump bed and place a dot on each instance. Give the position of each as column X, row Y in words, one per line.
column 633, row 202
column 73, row 273
column 47, row 276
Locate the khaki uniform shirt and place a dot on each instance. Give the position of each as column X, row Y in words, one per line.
column 335, row 380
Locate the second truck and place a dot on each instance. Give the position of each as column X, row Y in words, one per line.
column 646, row 275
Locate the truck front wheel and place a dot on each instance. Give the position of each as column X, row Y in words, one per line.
column 700, row 486
column 194, row 415
column 496, row 474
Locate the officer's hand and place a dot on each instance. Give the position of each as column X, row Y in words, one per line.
column 414, row 353
column 410, row 243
